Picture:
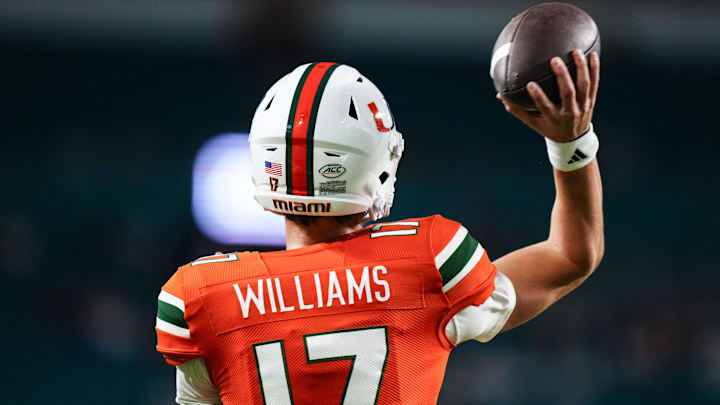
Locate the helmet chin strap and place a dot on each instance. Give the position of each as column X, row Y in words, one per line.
column 383, row 200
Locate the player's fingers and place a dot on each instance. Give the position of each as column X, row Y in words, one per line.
column 583, row 80
column 565, row 85
column 218, row 253
column 542, row 102
column 594, row 77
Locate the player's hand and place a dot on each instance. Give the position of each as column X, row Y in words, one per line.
column 571, row 119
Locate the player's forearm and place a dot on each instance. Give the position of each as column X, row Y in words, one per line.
column 576, row 229
column 544, row 272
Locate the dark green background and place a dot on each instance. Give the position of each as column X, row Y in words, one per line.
column 96, row 151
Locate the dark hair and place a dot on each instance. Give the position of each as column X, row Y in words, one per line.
column 346, row 220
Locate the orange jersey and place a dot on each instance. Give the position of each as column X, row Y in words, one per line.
column 360, row 319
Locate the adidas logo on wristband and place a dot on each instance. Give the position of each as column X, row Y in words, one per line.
column 574, row 155
column 577, row 156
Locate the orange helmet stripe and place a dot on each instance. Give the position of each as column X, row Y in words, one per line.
column 301, row 128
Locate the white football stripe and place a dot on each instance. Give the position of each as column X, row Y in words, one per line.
column 501, row 52
column 171, row 329
column 474, row 259
column 391, row 233
column 231, row 257
column 450, row 248
column 377, row 227
column 172, row 300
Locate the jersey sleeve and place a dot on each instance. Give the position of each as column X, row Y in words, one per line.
column 173, row 333
column 469, row 284
column 194, row 385
column 482, row 322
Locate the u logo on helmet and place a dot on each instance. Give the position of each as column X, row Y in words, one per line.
column 377, row 116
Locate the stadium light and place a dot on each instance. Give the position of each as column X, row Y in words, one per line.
column 222, row 195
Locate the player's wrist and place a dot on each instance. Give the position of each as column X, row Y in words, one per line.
column 575, row 154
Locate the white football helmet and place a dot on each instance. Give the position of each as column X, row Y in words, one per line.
column 323, row 142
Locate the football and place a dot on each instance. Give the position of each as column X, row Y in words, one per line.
column 525, row 46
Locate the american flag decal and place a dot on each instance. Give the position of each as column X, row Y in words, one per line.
column 273, row 168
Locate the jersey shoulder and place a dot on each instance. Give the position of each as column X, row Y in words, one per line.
column 216, row 269
column 458, row 258
column 430, row 233
column 390, row 240
column 433, row 239
column 210, row 270
column 178, row 318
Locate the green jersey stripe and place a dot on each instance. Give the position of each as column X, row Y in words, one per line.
column 458, row 259
column 171, row 329
column 450, row 247
column 474, row 260
column 171, row 314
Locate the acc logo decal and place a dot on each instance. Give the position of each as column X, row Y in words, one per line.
column 332, row 170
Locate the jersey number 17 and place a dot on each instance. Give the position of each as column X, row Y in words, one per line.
column 366, row 348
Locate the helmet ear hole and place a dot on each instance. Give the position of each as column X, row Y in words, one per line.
column 352, row 112
column 383, row 177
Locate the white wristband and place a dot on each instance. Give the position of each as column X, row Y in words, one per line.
column 573, row 155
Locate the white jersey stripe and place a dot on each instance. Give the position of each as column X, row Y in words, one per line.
column 377, row 227
column 474, row 260
column 398, row 232
column 171, row 329
column 230, row 258
column 168, row 298
column 449, row 249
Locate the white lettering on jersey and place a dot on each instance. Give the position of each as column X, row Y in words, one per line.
column 283, row 308
column 361, row 287
column 377, row 280
column 318, row 290
column 354, row 288
column 250, row 296
column 334, row 291
column 271, row 295
column 301, row 301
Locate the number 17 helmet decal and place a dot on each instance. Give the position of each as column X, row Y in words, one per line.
column 323, row 142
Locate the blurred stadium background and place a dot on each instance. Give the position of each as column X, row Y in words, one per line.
column 106, row 104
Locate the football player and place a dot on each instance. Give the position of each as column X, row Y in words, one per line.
column 368, row 315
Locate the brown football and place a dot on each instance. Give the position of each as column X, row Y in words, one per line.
column 525, row 46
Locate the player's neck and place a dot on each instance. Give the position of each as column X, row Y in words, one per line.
column 321, row 230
